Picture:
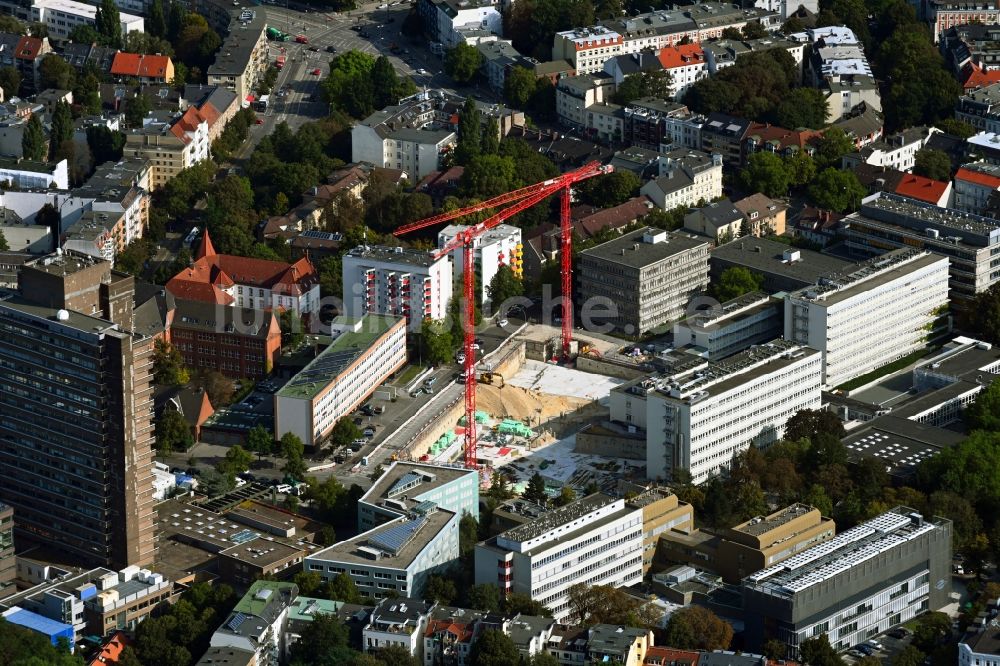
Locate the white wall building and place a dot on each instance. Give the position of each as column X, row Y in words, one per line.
column 397, row 281
column 898, row 151
column 975, row 183
column 61, row 16
column 697, row 417
column 588, row 48
column 576, row 94
column 398, row 621
column 28, row 175
column 500, row 246
column 596, row 540
column 407, row 484
column 395, row 558
column 366, row 352
column 686, row 177
column 883, row 311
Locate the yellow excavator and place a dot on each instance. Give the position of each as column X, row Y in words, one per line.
column 492, row 378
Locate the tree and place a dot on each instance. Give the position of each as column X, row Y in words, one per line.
column 837, row 190
column 105, row 145
column 109, row 24
column 62, row 127
column 308, row 582
column 491, row 137
column 494, row 648
column 984, row 412
column 10, row 80
column 470, row 133
column 172, row 433
column 754, row 30
column 532, row 24
column 11, row 25
column 504, row 285
column 156, row 23
column 767, row 173
column 535, row 492
column 237, row 460
column 344, row 432
column 484, row 597
column 566, row 496
column 520, row 603
column 833, row 145
column 604, row 604
column 655, row 83
column 808, row 423
column 219, row 387
column 817, row 651
column 933, row 164
column 84, row 34
column 292, row 450
column 519, row 86
column 325, row 641
column 440, row 589
column 609, row 189
column 4, row 247
column 136, row 110
column 24, row 647
column 801, row 107
column 736, row 281
column 970, row 469
column 395, row 655
column 33, row 140
column 775, row 649
column 543, row 659
column 982, row 316
column 342, row 588
column 168, row 365
column 697, row 628
column 462, row 63
column 908, row 656
column 487, row 176
column 54, row 72
column 385, row 83
column 955, row 127
column 931, row 629
column 260, row 441
column 436, row 342
column 792, row 25
column 751, row 88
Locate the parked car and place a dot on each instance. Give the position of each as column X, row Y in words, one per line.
column 502, row 323
column 283, row 488
column 331, row 49
column 430, row 381
column 358, row 421
column 317, row 72
column 369, row 433
column 380, row 409
column 898, row 632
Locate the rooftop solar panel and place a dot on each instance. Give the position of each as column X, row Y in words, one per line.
column 394, row 539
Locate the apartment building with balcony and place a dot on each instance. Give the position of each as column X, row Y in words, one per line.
column 364, row 353
column 397, row 281
column 256, row 625
column 8, row 568
column 243, row 57
column 874, row 576
column 596, row 540
column 500, row 246
column 76, row 435
column 886, row 308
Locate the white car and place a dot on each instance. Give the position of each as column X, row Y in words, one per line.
column 283, row 488
column 423, row 72
column 502, row 323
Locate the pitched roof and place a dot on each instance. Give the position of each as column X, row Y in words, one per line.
column 681, row 55
column 28, row 48
column 975, row 77
column 978, row 177
column 785, row 138
column 461, row 631
column 205, row 249
column 111, row 651
column 614, row 218
column 758, row 202
column 922, row 189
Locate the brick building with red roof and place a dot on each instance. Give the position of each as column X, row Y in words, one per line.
column 244, row 282
column 686, row 65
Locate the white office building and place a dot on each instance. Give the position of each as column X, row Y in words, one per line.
column 393, row 280
column 500, row 246
column 700, row 413
column 61, row 16
column 366, row 351
column 405, row 485
column 887, row 308
column 596, row 540
column 395, row 558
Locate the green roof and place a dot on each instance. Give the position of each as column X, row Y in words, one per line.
column 306, row 608
column 344, row 351
column 253, row 604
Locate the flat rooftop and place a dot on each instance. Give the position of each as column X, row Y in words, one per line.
column 558, row 517
column 900, row 443
column 238, row 47
column 871, row 274
column 396, row 544
column 962, row 357
column 631, row 250
column 65, row 263
column 763, row 524
column 767, row 256
column 395, row 255
column 346, row 348
column 890, row 207
column 74, row 319
column 411, row 480
column 842, row 553
column 264, row 552
column 734, row 310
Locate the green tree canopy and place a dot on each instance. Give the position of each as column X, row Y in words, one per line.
column 237, row 460
column 323, row 642
column 736, row 281
column 982, row 317
column 504, row 285
column 697, row 628
column 768, row 173
column 519, row 86
column 436, row 342
column 934, row 164
column 260, row 441
column 344, row 432
column 751, row 88
column 808, row 423
column 984, row 412
column 837, row 190
column 494, row 648
column 462, row 63
column 136, row 110
column 535, row 491
column 440, row 589
column 610, row 189
column 108, row 23
column 172, row 433
column 33, row 140
column 955, row 127
column 24, row 647
column 342, row 588
column 817, row 651
column 655, row 83
column 168, row 365
column 62, row 127
column 10, row 80
column 801, row 107
column 533, row 23
column 833, row 145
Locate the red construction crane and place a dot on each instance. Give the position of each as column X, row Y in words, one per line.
column 518, row 201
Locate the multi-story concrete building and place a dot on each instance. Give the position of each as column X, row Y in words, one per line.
column 412, row 136
column 755, row 544
column 444, row 20
column 76, row 446
column 898, row 151
column 981, row 108
column 723, row 53
column 170, row 145
column 724, row 135
column 405, row 485
column 256, row 624
column 654, row 124
column 399, row 621
column 96, row 602
column 698, row 414
column 500, row 246
column 971, row 242
column 686, row 65
column 396, row 557
column 397, row 281
column 946, row 14
column 733, row 326
column 8, row 567
column 25, row 54
column 576, row 95
column 782, row 268
column 244, row 282
column 120, row 191
column 61, row 16
column 878, row 575
column 642, row 279
column 364, row 353
column 587, row 48
column 236, row 341
column 662, row 512
column 243, row 57
column 596, row 540
column 974, row 184
column 28, row 174
column 685, row 177
column 885, row 309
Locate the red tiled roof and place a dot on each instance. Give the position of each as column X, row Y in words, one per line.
column 681, row 55
column 111, row 651
column 209, row 113
column 205, row 248
column 660, row 655
column 187, row 123
column 461, row 632
column 136, row 64
column 783, row 136
column 616, row 217
column 978, row 178
column 923, row 189
column 28, row 48
column 975, row 77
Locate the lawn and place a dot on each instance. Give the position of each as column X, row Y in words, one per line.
column 895, row 366
column 408, row 374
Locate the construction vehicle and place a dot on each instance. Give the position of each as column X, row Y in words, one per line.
column 276, row 35
column 492, row 378
column 279, row 61
column 502, row 208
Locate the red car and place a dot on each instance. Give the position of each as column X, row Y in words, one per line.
column 317, row 72
column 302, row 39
column 259, row 121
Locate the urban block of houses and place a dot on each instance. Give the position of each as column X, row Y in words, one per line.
column 898, row 151
column 243, row 57
column 685, row 178
column 445, row 20
column 61, row 16
column 145, row 68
